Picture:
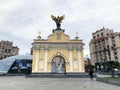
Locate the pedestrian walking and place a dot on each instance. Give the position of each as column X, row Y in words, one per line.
column 112, row 73
column 91, row 74
column 19, row 71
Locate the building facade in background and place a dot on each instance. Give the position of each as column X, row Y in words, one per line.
column 7, row 49
column 105, row 46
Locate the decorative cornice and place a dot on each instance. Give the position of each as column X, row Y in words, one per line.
column 57, row 43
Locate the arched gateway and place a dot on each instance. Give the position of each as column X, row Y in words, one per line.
column 58, row 65
column 58, row 53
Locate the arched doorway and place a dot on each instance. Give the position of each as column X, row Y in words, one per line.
column 58, row 65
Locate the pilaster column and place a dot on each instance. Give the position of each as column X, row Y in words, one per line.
column 79, row 60
column 107, row 56
column 112, row 55
column 45, row 63
column 71, row 60
column 37, row 58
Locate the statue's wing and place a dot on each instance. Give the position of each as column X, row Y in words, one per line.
column 62, row 17
column 53, row 17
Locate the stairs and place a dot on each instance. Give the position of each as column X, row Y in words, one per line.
column 59, row 75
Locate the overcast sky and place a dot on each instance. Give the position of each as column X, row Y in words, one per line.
column 21, row 20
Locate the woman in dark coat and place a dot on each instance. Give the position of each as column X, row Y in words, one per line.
column 91, row 74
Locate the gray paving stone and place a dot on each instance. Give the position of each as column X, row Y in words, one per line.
column 22, row 83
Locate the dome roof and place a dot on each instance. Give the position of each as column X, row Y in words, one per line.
column 6, row 63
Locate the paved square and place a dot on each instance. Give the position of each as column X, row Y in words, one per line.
column 22, row 83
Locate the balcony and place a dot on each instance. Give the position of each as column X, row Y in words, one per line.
column 100, row 38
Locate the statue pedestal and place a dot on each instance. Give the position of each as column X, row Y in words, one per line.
column 58, row 29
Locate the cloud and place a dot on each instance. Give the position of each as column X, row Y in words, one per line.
column 20, row 20
column 6, row 6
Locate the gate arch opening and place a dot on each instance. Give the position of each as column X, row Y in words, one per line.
column 58, row 65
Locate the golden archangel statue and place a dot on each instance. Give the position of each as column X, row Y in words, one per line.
column 58, row 20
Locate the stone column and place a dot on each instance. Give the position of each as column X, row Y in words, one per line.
column 45, row 63
column 36, row 60
column 79, row 60
column 71, row 60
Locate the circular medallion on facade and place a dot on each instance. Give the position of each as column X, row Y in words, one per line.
column 58, row 36
column 58, row 53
